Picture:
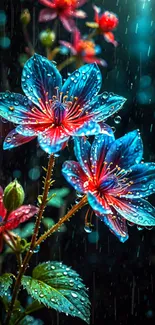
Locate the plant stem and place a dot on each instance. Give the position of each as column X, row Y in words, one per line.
column 70, row 213
column 47, row 185
column 33, row 240
column 66, row 63
column 25, row 313
column 27, row 39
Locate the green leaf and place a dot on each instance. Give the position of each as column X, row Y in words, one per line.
column 57, row 201
column 57, row 286
column 29, row 320
column 5, row 283
column 48, row 222
column 25, row 231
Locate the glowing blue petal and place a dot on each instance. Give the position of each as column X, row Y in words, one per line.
column 31, row 129
column 53, row 139
column 15, row 108
column 39, row 77
column 105, row 105
column 13, row 139
column 137, row 211
column 98, row 204
column 87, row 128
column 143, row 178
column 74, row 174
column 99, row 148
column 82, row 152
column 83, row 83
column 117, row 226
column 126, row 151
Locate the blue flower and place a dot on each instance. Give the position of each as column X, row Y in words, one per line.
column 53, row 112
column 111, row 173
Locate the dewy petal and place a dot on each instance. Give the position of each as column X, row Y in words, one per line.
column 94, row 59
column 82, row 152
column 20, row 215
column 39, row 77
column 74, row 175
column 110, row 38
column 46, row 15
column 47, row 3
column 53, row 139
column 98, row 204
column 126, row 151
column 87, row 128
column 2, row 208
column 83, row 83
column 16, row 108
column 99, row 148
column 80, row 3
column 79, row 14
column 143, row 178
column 13, row 139
column 68, row 23
column 31, row 129
column 117, row 225
column 105, row 105
column 137, row 211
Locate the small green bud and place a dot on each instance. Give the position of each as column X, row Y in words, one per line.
column 25, row 17
column 13, row 196
column 47, row 37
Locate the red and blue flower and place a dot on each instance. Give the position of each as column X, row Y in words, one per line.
column 83, row 50
column 114, row 178
column 65, row 10
column 53, row 112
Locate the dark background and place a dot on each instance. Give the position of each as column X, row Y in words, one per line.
column 120, row 277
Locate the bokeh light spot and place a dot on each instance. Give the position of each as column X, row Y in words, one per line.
column 5, row 42
column 93, row 237
column 34, row 173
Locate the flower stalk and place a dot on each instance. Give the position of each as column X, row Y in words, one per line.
column 35, row 242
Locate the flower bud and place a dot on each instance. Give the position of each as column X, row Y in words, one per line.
column 47, row 37
column 13, row 196
column 25, row 17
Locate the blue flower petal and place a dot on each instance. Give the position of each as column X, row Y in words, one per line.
column 126, row 151
column 137, row 211
column 15, row 108
column 105, row 105
column 13, row 139
column 86, row 129
column 39, row 77
column 31, row 129
column 98, row 204
column 53, row 139
column 74, row 175
column 117, row 226
column 99, row 148
column 143, row 178
column 83, row 83
column 82, row 152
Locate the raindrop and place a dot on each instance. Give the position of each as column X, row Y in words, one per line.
column 37, row 248
column 117, row 119
column 74, row 295
column 87, row 229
